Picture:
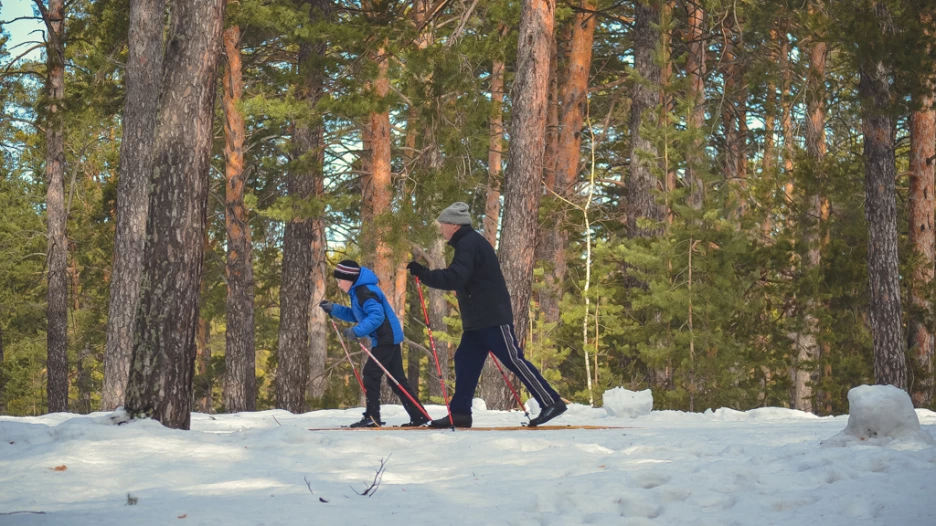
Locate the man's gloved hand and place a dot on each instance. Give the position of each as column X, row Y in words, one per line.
column 349, row 334
column 327, row 306
column 415, row 269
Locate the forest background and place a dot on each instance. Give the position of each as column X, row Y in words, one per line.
column 727, row 202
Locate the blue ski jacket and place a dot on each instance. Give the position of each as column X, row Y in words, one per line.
column 371, row 311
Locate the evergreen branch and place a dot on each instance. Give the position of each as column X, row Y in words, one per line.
column 21, row 55
column 23, row 72
column 26, row 121
column 402, row 96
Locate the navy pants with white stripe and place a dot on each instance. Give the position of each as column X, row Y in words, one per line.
column 469, row 362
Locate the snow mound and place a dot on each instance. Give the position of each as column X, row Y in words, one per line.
column 762, row 414
column 878, row 415
column 118, row 417
column 478, row 404
column 621, row 402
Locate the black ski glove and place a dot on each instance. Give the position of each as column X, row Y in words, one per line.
column 327, row 306
column 415, row 269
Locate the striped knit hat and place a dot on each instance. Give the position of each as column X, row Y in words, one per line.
column 348, row 270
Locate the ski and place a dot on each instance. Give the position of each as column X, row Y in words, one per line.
column 504, row 428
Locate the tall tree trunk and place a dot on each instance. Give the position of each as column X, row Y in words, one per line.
column 551, row 155
column 770, row 127
column 57, row 252
column 376, row 187
column 318, row 321
column 203, row 403
column 695, row 70
column 302, row 184
column 240, row 378
column 143, row 72
column 770, row 111
column 572, row 84
column 877, row 125
column 438, row 309
column 922, row 152
column 491, row 387
column 666, row 101
column 641, row 188
column 808, row 352
column 163, row 363
column 84, row 367
column 3, row 376
column 410, row 160
column 729, row 111
column 318, row 324
column 495, row 153
column 525, row 156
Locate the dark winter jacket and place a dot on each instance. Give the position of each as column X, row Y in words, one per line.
column 370, row 309
column 475, row 276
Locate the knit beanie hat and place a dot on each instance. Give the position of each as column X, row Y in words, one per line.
column 455, row 214
column 348, row 270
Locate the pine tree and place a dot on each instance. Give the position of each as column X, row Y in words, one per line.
column 163, row 363
column 525, row 156
column 876, row 90
column 240, row 382
column 143, row 72
column 53, row 16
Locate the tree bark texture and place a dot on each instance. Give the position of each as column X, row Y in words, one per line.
column 164, row 350
column 808, row 351
column 525, row 156
column 318, row 324
column 492, row 205
column 3, row 378
column 874, row 87
column 302, row 184
column 143, row 73
column 240, row 378
column 56, row 215
column 786, row 119
column 84, row 368
column 438, row 309
column 572, row 85
column 695, row 70
column 376, row 188
column 491, row 387
column 923, row 240
column 203, row 400
column 642, row 187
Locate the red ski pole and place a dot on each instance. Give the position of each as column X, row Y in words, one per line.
column 510, row 385
column 434, row 353
column 394, row 380
column 343, row 346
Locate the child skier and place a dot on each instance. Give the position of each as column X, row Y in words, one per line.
column 377, row 321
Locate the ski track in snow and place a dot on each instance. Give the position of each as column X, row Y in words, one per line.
column 719, row 468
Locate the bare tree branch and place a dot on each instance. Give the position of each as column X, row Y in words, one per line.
column 370, row 490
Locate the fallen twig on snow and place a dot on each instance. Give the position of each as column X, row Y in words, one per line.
column 370, row 490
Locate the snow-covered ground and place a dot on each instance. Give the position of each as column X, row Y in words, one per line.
column 719, row 468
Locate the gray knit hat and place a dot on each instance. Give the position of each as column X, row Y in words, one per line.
column 455, row 214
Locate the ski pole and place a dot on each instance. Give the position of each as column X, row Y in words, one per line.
column 394, row 380
column 343, row 346
column 434, row 353
column 510, row 385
